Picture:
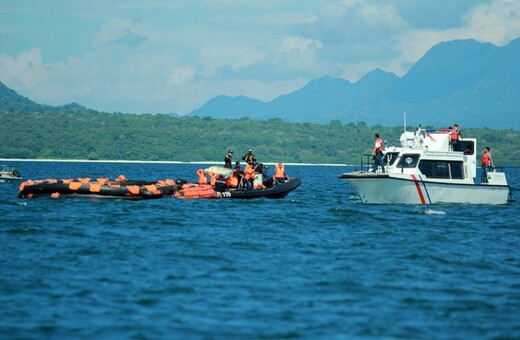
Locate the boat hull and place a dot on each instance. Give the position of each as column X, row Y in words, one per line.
column 277, row 191
column 8, row 179
column 414, row 189
column 195, row 191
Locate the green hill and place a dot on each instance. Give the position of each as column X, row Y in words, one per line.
column 116, row 136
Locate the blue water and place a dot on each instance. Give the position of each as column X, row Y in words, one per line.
column 317, row 264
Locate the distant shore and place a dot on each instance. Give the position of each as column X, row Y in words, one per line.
column 144, row 162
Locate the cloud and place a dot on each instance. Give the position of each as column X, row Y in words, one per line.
column 299, row 44
column 27, row 68
column 156, row 56
column 215, row 57
column 497, row 22
column 121, row 31
column 181, row 75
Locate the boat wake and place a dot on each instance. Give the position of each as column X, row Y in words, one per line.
column 434, row 212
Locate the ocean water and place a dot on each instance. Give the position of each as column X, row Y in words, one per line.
column 317, row 264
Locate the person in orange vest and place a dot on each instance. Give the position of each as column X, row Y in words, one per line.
column 232, row 181
column 249, row 174
column 377, row 153
column 279, row 173
column 202, row 177
column 487, row 163
column 455, row 137
column 214, row 178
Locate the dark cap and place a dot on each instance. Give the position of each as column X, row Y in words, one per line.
column 230, row 151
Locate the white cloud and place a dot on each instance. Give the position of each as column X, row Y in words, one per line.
column 236, row 58
column 497, row 22
column 161, row 57
column 299, row 44
column 27, row 68
column 180, row 75
column 120, row 30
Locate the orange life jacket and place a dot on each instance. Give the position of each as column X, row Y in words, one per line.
column 381, row 145
column 486, row 158
column 454, row 134
column 232, row 181
column 214, row 178
column 202, row 177
column 249, row 172
column 279, row 171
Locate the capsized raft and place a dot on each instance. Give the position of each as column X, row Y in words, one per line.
column 99, row 188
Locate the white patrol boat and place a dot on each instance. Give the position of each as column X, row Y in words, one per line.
column 8, row 173
column 425, row 170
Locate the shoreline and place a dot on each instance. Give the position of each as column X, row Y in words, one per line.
column 148, row 162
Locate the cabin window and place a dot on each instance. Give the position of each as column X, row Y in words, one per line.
column 390, row 158
column 442, row 169
column 408, row 161
column 468, row 147
column 457, row 170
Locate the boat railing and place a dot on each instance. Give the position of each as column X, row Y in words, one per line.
column 366, row 162
column 8, row 168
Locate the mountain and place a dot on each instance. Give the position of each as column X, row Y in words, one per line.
column 474, row 84
column 236, row 107
column 11, row 101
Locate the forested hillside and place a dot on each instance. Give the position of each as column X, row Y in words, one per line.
column 112, row 136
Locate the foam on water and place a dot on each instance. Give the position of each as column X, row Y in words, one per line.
column 434, row 212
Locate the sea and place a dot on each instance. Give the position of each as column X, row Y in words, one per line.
column 317, row 264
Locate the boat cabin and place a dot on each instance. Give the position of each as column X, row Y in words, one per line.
column 431, row 155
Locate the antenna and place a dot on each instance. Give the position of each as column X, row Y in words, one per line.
column 404, row 116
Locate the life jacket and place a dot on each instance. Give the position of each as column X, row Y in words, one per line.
column 232, row 181
column 381, row 145
column 486, row 158
column 249, row 172
column 454, row 134
column 202, row 177
column 279, row 171
column 214, row 178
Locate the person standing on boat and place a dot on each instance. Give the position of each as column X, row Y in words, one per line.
column 487, row 163
column 227, row 159
column 249, row 157
column 377, row 153
column 238, row 172
column 455, row 137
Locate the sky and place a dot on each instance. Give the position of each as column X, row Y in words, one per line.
column 172, row 56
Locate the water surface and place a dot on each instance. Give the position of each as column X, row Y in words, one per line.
column 318, row 263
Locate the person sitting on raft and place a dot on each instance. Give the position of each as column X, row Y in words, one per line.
column 202, row 177
column 233, row 180
column 250, row 174
column 266, row 179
